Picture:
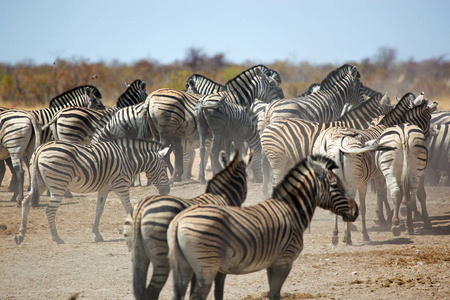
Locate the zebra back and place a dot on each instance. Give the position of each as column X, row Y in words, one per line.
column 134, row 94
column 85, row 96
column 252, row 84
column 440, row 118
column 203, row 85
column 128, row 122
column 242, row 240
column 145, row 229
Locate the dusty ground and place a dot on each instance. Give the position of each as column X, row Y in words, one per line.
column 388, row 267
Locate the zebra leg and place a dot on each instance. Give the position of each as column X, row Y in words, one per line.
column 2, row 170
column 201, row 173
column 277, row 275
column 101, row 199
column 55, row 202
column 409, row 218
column 178, row 152
column 18, row 194
column 13, row 185
column 161, row 271
column 219, row 283
column 216, row 144
column 335, row 237
column 362, row 211
column 422, row 197
column 380, row 184
column 182, row 274
column 347, row 239
column 266, row 175
column 396, row 195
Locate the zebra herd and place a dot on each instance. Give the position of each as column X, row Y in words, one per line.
column 315, row 150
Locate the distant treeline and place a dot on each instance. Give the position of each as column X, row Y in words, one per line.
column 29, row 85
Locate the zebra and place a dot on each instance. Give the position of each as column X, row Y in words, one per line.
column 146, row 226
column 61, row 166
column 21, row 131
column 419, row 115
column 208, row 239
column 172, row 112
column 77, row 124
column 227, row 122
column 356, row 166
column 403, row 168
column 439, row 153
column 341, row 86
column 200, row 84
column 440, row 118
column 285, row 142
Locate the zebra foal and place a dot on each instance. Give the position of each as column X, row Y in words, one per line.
column 207, row 239
column 61, row 166
column 146, row 226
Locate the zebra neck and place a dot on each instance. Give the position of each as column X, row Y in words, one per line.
column 301, row 196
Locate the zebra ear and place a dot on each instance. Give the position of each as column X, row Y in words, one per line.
column 384, row 99
column 260, row 73
column 143, row 86
column 163, row 152
column 223, row 159
column 248, row 159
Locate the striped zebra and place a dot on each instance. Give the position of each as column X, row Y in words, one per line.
column 208, row 239
column 341, row 86
column 356, row 165
column 440, row 118
column 172, row 112
column 146, row 226
column 285, row 142
column 199, row 84
column 226, row 122
column 419, row 115
column 77, row 124
column 21, row 131
column 102, row 167
column 403, row 167
column 439, row 153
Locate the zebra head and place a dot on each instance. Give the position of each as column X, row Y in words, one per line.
column 332, row 195
column 158, row 175
column 92, row 98
column 270, row 86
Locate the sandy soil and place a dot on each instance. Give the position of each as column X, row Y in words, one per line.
column 405, row 267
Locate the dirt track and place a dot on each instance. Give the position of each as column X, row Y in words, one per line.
column 406, row 267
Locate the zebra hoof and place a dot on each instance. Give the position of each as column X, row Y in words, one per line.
column 347, row 241
column 19, row 239
column 366, row 238
column 396, row 230
column 99, row 239
column 334, row 240
column 58, row 240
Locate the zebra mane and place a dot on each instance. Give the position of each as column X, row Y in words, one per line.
column 317, row 163
column 126, row 99
column 216, row 183
column 247, row 73
column 368, row 110
column 64, row 98
column 338, row 74
column 134, row 142
column 196, row 77
column 397, row 113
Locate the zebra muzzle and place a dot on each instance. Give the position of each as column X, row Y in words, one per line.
column 352, row 213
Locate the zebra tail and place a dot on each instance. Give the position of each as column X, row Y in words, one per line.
column 137, row 253
column 35, row 184
column 176, row 256
column 37, row 128
column 406, row 180
column 144, row 117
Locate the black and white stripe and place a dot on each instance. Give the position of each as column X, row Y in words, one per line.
column 77, row 124
column 172, row 112
column 208, row 239
column 102, row 167
column 146, row 227
column 21, row 131
column 226, row 122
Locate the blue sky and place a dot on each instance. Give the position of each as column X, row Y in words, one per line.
column 323, row 31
